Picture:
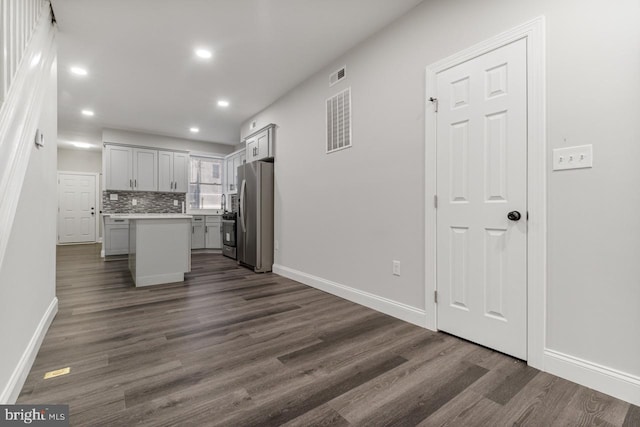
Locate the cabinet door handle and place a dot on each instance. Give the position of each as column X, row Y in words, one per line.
column 135, row 183
column 193, row 230
column 130, row 183
column 206, row 229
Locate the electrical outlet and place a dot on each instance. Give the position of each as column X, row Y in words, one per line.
column 396, row 268
column 175, row 203
column 134, row 202
column 113, row 197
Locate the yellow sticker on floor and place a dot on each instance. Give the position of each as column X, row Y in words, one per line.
column 57, row 373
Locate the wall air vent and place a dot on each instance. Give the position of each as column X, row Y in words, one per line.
column 336, row 76
column 339, row 121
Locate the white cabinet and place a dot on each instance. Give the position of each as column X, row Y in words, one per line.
column 116, row 236
column 213, row 232
column 260, row 144
column 232, row 161
column 118, row 167
column 130, row 169
column 197, row 232
column 172, row 171
column 145, row 169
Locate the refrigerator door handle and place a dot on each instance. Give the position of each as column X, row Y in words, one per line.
column 242, row 204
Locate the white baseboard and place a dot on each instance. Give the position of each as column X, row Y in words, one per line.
column 384, row 305
column 158, row 279
column 606, row 380
column 14, row 386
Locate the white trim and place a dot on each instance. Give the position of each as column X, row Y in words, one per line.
column 19, row 116
column 12, row 390
column 98, row 195
column 534, row 32
column 384, row 305
column 607, row 380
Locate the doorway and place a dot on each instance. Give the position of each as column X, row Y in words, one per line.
column 485, row 233
column 78, row 207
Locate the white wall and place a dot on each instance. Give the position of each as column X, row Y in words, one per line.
column 344, row 217
column 79, row 160
column 28, row 273
column 159, row 141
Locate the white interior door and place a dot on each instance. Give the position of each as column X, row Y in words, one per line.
column 77, row 208
column 481, row 178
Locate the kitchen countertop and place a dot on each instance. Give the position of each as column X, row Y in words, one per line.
column 149, row 215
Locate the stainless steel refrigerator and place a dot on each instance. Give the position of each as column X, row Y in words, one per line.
column 255, row 216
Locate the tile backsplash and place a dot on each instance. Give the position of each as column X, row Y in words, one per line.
column 147, row 202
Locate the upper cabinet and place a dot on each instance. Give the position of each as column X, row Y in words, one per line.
column 172, row 171
column 232, row 161
column 118, row 167
column 260, row 144
column 130, row 169
column 144, row 169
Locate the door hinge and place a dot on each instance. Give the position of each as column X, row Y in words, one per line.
column 435, row 201
column 435, row 296
column 435, row 103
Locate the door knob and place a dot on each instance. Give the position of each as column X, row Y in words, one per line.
column 514, row 216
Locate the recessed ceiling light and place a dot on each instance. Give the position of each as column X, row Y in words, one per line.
column 88, row 113
column 81, row 145
column 204, row 53
column 194, row 130
column 79, row 71
column 223, row 103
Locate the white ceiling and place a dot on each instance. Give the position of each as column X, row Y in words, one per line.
column 144, row 75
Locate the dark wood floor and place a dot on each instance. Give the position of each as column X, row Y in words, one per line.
column 233, row 348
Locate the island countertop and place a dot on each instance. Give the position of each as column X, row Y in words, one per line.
column 148, row 215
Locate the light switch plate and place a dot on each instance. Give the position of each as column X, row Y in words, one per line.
column 113, row 197
column 573, row 157
column 396, row 268
column 134, row 202
column 175, row 203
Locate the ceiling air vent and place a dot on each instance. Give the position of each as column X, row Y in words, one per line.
column 336, row 76
column 339, row 121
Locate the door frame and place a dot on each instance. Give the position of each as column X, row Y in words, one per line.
column 98, row 214
column 534, row 32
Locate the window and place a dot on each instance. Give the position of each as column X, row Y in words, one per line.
column 205, row 183
column 339, row 121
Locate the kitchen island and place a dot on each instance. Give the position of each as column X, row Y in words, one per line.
column 159, row 247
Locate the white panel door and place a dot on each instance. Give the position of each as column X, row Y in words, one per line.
column 180, row 172
column 165, row 171
column 77, row 209
column 481, row 178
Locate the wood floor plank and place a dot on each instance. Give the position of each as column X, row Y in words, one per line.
column 633, row 417
column 229, row 347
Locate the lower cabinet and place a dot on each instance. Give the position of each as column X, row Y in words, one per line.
column 116, row 236
column 206, row 232
column 213, row 232
column 197, row 232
